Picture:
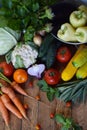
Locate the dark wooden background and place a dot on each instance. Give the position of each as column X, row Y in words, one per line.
column 39, row 112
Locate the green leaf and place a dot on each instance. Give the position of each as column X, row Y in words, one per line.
column 19, row 62
column 60, row 119
column 28, row 36
column 57, row 93
column 50, row 95
column 8, row 56
column 7, row 13
column 43, row 85
column 69, row 122
column 3, row 21
column 77, row 127
column 35, row 7
column 7, row 4
column 64, row 128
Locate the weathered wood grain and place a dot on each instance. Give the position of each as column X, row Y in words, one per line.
column 39, row 112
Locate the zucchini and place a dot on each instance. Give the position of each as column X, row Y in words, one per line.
column 82, row 72
column 69, row 71
column 81, row 58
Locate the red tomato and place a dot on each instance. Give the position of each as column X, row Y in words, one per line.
column 37, row 127
column 52, row 76
column 68, row 104
column 52, row 115
column 6, row 69
column 63, row 54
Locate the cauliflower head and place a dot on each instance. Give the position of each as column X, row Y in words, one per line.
column 23, row 56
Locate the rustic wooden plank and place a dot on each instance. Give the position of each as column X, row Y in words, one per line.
column 32, row 91
column 79, row 114
column 2, row 123
column 44, row 117
column 15, row 123
column 31, row 113
column 39, row 112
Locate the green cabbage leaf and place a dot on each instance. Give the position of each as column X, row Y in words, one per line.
column 8, row 39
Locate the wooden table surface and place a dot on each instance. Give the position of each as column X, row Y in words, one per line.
column 39, row 112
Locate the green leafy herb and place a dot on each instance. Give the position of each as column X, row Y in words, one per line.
column 74, row 90
column 67, row 123
column 51, row 92
column 43, row 85
column 59, row 118
column 24, row 14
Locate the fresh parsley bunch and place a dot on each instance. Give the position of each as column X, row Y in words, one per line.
column 27, row 16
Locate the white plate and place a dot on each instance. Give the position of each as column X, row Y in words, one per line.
column 71, row 43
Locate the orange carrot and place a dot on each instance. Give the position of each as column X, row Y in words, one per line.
column 20, row 106
column 15, row 86
column 8, row 104
column 4, row 112
column 10, row 92
column 18, row 88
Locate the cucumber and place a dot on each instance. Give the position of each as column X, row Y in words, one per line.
column 51, row 55
column 45, row 45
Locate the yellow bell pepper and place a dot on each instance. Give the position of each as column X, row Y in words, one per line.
column 81, row 34
column 83, row 8
column 78, row 18
column 66, row 32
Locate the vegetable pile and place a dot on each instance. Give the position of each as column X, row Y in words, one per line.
column 76, row 29
column 24, row 25
column 29, row 49
column 70, row 83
